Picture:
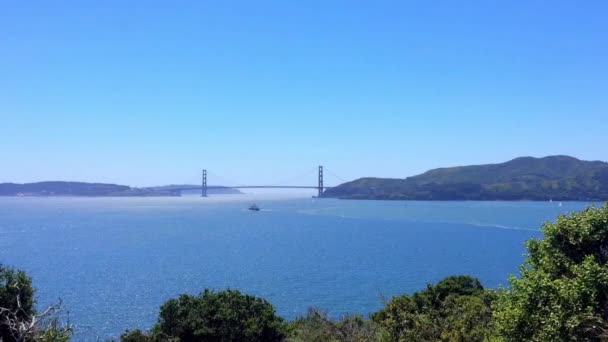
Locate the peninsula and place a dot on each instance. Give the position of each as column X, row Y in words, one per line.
column 562, row 178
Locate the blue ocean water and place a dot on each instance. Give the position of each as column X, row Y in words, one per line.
column 114, row 261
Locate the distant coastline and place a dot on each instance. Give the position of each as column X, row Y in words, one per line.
column 552, row 178
column 83, row 189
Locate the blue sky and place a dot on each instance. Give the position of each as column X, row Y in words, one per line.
column 145, row 93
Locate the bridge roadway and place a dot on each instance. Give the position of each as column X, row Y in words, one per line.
column 251, row 187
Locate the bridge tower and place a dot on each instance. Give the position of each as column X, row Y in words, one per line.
column 320, row 180
column 204, row 184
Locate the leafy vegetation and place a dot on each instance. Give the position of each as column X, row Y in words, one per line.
column 562, row 294
column 19, row 321
column 215, row 316
column 455, row 309
column 526, row 178
column 16, row 295
column 316, row 326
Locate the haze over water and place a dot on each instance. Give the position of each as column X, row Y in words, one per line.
column 114, row 261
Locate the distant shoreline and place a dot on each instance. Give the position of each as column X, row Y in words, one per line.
column 81, row 189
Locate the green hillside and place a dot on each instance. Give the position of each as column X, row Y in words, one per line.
column 526, row 178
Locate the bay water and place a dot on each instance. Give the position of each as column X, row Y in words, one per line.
column 114, row 261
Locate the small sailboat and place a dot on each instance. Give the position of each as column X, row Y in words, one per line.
column 254, row 207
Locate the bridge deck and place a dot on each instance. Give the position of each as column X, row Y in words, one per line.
column 251, row 187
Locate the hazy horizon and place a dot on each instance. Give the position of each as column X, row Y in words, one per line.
column 289, row 192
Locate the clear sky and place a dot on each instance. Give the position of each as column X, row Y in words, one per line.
column 147, row 93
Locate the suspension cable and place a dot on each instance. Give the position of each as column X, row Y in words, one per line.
column 290, row 179
column 228, row 182
column 335, row 175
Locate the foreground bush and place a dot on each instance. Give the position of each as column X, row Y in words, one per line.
column 316, row 326
column 19, row 321
column 214, row 316
column 16, row 296
column 455, row 309
column 562, row 294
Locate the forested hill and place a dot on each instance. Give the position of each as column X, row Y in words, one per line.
column 525, row 178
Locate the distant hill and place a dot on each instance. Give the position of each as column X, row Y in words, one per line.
column 78, row 189
column 59, row 188
column 214, row 191
column 555, row 177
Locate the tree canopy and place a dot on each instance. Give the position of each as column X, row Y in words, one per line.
column 19, row 321
column 562, row 294
column 215, row 316
column 317, row 326
column 457, row 308
column 16, row 296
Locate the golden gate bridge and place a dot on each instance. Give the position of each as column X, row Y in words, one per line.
column 204, row 187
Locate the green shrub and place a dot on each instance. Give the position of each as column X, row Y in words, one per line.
column 14, row 285
column 214, row 316
column 562, row 294
column 455, row 309
column 316, row 326
column 18, row 318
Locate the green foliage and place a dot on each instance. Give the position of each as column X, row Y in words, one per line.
column 53, row 332
column 556, row 177
column 17, row 313
column 15, row 285
column 134, row 336
column 141, row 336
column 316, row 326
column 468, row 318
column 562, row 294
column 455, row 309
column 214, row 316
